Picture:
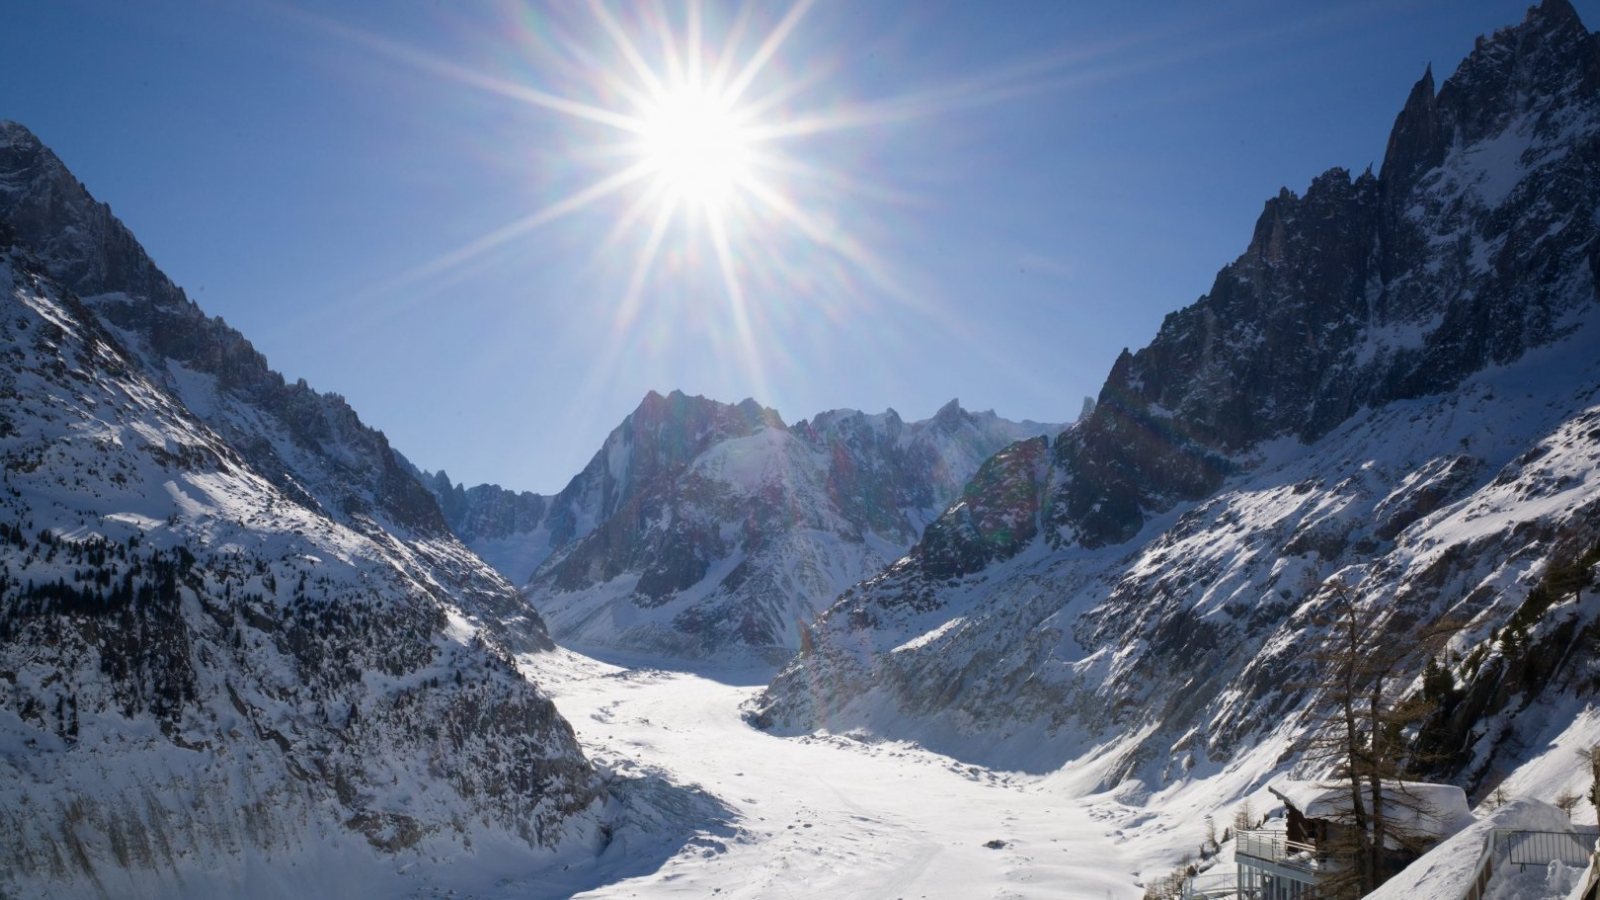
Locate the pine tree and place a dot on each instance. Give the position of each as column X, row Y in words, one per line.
column 1361, row 731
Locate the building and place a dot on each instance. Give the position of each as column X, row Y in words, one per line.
column 1287, row 860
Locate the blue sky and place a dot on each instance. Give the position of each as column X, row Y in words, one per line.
column 996, row 198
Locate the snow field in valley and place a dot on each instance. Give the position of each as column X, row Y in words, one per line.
column 821, row 815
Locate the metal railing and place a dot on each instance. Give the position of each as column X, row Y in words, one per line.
column 1274, row 846
column 1541, row 848
column 1212, row 886
column 1505, row 847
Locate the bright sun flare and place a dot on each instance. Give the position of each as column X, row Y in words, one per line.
column 688, row 132
column 695, row 147
column 703, row 137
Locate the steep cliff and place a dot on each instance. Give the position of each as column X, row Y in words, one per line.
column 1394, row 385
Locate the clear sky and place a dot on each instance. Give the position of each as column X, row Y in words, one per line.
column 488, row 227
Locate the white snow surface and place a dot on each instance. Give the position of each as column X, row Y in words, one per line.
column 830, row 815
column 1437, row 809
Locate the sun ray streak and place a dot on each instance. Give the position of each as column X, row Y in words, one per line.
column 643, row 264
column 813, row 230
column 1047, row 73
column 793, row 86
column 863, row 260
column 764, row 53
column 630, row 53
column 736, row 304
column 835, row 178
column 730, row 43
column 620, row 229
column 429, row 63
column 692, row 43
column 671, row 61
column 476, row 248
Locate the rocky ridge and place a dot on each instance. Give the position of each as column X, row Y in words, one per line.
column 702, row 528
column 1394, row 385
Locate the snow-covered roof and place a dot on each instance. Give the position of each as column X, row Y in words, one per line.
column 1436, row 809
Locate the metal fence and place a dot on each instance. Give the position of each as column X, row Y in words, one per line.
column 1541, row 848
column 1274, row 846
column 1212, row 886
column 1505, row 847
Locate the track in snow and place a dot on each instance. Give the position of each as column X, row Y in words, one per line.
column 815, row 816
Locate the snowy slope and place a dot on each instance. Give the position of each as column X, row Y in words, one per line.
column 238, row 654
column 702, row 529
column 312, row 446
column 1396, row 385
column 201, row 670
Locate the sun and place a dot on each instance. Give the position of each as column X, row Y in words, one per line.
column 696, row 132
column 735, row 184
column 697, row 148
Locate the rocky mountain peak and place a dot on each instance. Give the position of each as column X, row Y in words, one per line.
column 702, row 528
column 1414, row 142
column 83, row 246
column 949, row 417
column 347, row 469
column 1535, row 69
column 664, row 433
column 677, row 423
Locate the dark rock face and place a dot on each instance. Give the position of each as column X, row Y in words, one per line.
column 1365, row 290
column 485, row 510
column 1339, row 404
column 88, row 251
column 996, row 516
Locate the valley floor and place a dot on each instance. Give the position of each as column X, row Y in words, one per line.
column 817, row 816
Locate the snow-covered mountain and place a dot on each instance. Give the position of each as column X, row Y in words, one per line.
column 701, row 527
column 1396, row 384
column 505, row 528
column 236, row 635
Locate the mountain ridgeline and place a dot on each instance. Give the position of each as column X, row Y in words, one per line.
column 1468, row 248
column 1395, row 386
column 702, row 528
